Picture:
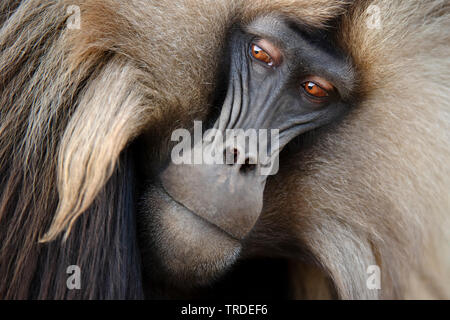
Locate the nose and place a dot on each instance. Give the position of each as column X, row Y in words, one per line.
column 245, row 164
column 228, row 195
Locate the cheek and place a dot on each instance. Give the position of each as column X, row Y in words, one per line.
column 258, row 71
column 280, row 223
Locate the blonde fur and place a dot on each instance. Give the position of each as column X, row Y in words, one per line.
column 375, row 190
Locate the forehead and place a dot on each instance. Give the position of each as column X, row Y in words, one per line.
column 277, row 30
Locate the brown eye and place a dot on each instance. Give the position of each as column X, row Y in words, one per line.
column 261, row 55
column 315, row 90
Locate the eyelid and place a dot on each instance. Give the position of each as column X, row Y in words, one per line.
column 321, row 82
column 271, row 49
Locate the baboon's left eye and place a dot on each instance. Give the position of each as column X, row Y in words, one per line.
column 259, row 54
column 317, row 88
column 314, row 90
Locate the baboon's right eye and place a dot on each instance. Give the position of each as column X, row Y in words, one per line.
column 261, row 55
column 266, row 52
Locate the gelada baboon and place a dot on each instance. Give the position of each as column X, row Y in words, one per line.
column 91, row 92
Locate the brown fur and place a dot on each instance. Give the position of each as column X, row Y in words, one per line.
column 374, row 190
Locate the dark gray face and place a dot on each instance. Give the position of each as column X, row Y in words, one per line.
column 278, row 79
column 272, row 95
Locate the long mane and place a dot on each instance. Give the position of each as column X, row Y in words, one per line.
column 40, row 90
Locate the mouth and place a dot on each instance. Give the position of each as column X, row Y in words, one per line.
column 180, row 207
column 189, row 248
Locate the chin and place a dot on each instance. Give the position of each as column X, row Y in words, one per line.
column 185, row 249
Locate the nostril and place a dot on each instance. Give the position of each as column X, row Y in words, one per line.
column 248, row 166
column 231, row 156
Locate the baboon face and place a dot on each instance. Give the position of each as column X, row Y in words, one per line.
column 200, row 215
column 87, row 176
